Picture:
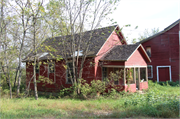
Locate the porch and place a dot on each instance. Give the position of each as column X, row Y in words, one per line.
column 131, row 78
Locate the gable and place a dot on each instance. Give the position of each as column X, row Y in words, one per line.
column 136, row 59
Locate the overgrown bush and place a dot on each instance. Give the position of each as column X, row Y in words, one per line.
column 169, row 83
column 157, row 104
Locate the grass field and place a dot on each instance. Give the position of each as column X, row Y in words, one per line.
column 158, row 101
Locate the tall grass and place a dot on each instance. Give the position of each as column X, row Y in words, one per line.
column 158, row 101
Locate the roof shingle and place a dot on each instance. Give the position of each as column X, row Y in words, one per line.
column 119, row 53
column 61, row 46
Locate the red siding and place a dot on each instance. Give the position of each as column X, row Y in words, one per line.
column 136, row 60
column 59, row 78
column 165, row 51
column 112, row 41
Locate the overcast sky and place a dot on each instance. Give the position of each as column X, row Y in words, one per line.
column 146, row 14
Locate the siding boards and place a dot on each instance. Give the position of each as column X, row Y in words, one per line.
column 165, row 51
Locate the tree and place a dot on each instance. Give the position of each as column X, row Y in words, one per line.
column 146, row 34
column 24, row 20
column 5, row 43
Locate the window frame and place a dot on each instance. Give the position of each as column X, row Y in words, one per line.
column 151, row 71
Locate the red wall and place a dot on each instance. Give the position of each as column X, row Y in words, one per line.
column 165, row 51
column 136, row 60
column 112, row 41
column 59, row 78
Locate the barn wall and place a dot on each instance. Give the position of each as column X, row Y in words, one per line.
column 112, row 41
column 165, row 51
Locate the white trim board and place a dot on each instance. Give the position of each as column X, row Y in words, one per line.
column 120, row 66
column 157, row 67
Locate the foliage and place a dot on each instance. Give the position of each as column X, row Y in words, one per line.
column 146, row 34
column 169, row 83
column 155, row 103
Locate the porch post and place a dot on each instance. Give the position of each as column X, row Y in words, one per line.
column 134, row 75
column 124, row 76
column 146, row 74
column 139, row 76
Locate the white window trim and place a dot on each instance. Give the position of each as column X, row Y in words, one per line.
column 54, row 71
column 151, row 70
column 162, row 67
column 117, row 66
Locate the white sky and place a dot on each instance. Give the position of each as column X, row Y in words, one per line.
column 146, row 14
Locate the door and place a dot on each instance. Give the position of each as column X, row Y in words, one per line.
column 164, row 73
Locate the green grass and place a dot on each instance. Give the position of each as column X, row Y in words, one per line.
column 159, row 101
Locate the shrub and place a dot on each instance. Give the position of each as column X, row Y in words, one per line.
column 169, row 83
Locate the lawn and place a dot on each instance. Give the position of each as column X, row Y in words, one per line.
column 158, row 101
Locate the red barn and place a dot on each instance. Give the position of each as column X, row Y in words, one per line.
column 163, row 49
column 108, row 52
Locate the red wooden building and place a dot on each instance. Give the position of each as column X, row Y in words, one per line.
column 108, row 52
column 163, row 49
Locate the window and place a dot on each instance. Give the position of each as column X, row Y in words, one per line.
column 142, row 74
column 51, row 68
column 150, row 71
column 69, row 73
column 37, row 69
column 130, row 75
column 116, row 82
column 148, row 50
column 104, row 73
column 51, row 71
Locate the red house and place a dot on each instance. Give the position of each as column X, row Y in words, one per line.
column 163, row 49
column 108, row 52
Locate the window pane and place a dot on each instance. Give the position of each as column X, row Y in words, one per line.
column 150, row 72
column 104, row 73
column 51, row 67
column 70, row 74
column 137, row 74
column 130, row 75
column 142, row 74
column 116, row 72
column 37, row 68
column 148, row 50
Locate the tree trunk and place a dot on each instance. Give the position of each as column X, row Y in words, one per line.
column 34, row 79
